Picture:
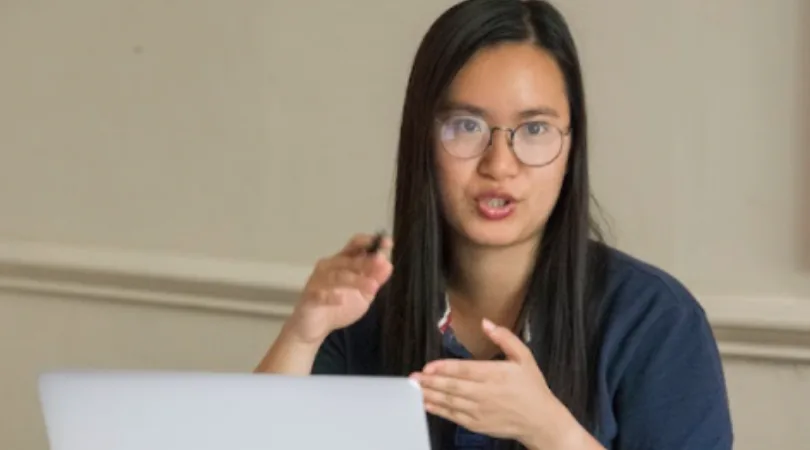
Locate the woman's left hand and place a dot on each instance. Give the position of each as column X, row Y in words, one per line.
column 507, row 399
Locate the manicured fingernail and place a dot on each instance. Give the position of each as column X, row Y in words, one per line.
column 488, row 325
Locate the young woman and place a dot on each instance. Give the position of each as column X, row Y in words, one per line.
column 523, row 329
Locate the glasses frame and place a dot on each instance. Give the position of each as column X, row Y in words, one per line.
column 510, row 139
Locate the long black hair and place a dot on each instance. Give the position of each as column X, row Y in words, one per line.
column 562, row 295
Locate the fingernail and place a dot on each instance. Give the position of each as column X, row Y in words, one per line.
column 432, row 368
column 488, row 325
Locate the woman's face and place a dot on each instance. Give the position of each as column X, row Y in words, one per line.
column 494, row 198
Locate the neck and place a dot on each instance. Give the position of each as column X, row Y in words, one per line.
column 491, row 282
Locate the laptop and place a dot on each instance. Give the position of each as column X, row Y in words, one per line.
column 121, row 410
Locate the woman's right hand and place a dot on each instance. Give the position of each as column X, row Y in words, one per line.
column 340, row 290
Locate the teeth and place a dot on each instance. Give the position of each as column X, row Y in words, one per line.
column 496, row 203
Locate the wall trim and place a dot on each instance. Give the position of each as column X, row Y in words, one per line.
column 759, row 328
column 168, row 280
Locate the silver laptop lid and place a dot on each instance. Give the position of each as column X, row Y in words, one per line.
column 211, row 411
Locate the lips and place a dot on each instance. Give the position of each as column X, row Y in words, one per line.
column 496, row 198
column 495, row 205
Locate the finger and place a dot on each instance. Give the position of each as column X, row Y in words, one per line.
column 369, row 272
column 459, row 417
column 347, row 302
column 358, row 264
column 359, row 244
column 345, row 278
column 384, row 248
column 512, row 346
column 386, row 245
column 449, row 401
column 375, row 244
column 449, row 386
column 378, row 267
column 470, row 370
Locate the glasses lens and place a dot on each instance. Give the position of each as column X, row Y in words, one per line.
column 537, row 143
column 464, row 136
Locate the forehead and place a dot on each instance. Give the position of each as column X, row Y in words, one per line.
column 509, row 78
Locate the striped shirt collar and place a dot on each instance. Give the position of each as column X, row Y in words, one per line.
column 447, row 318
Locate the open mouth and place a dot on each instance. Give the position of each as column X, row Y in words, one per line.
column 497, row 202
column 495, row 208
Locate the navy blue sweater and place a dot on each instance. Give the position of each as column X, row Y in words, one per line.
column 660, row 382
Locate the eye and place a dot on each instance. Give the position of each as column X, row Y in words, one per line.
column 535, row 128
column 465, row 125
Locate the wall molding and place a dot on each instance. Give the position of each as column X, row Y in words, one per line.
column 758, row 328
column 166, row 280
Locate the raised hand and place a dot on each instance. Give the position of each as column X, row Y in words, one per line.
column 340, row 289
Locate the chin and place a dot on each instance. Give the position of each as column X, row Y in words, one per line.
column 492, row 235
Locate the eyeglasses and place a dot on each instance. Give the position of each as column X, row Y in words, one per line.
column 534, row 143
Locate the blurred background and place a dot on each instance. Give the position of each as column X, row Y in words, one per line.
column 171, row 169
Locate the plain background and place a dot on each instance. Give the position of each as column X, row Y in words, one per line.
column 248, row 133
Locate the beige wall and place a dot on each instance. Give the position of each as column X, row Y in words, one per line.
column 170, row 169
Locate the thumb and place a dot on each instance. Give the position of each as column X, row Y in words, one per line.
column 512, row 346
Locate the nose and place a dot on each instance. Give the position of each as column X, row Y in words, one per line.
column 499, row 161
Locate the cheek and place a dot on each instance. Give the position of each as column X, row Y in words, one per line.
column 453, row 175
column 547, row 182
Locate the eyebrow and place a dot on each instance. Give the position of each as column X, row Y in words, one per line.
column 478, row 111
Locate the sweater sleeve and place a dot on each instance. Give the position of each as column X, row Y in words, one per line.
column 673, row 393
column 331, row 357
